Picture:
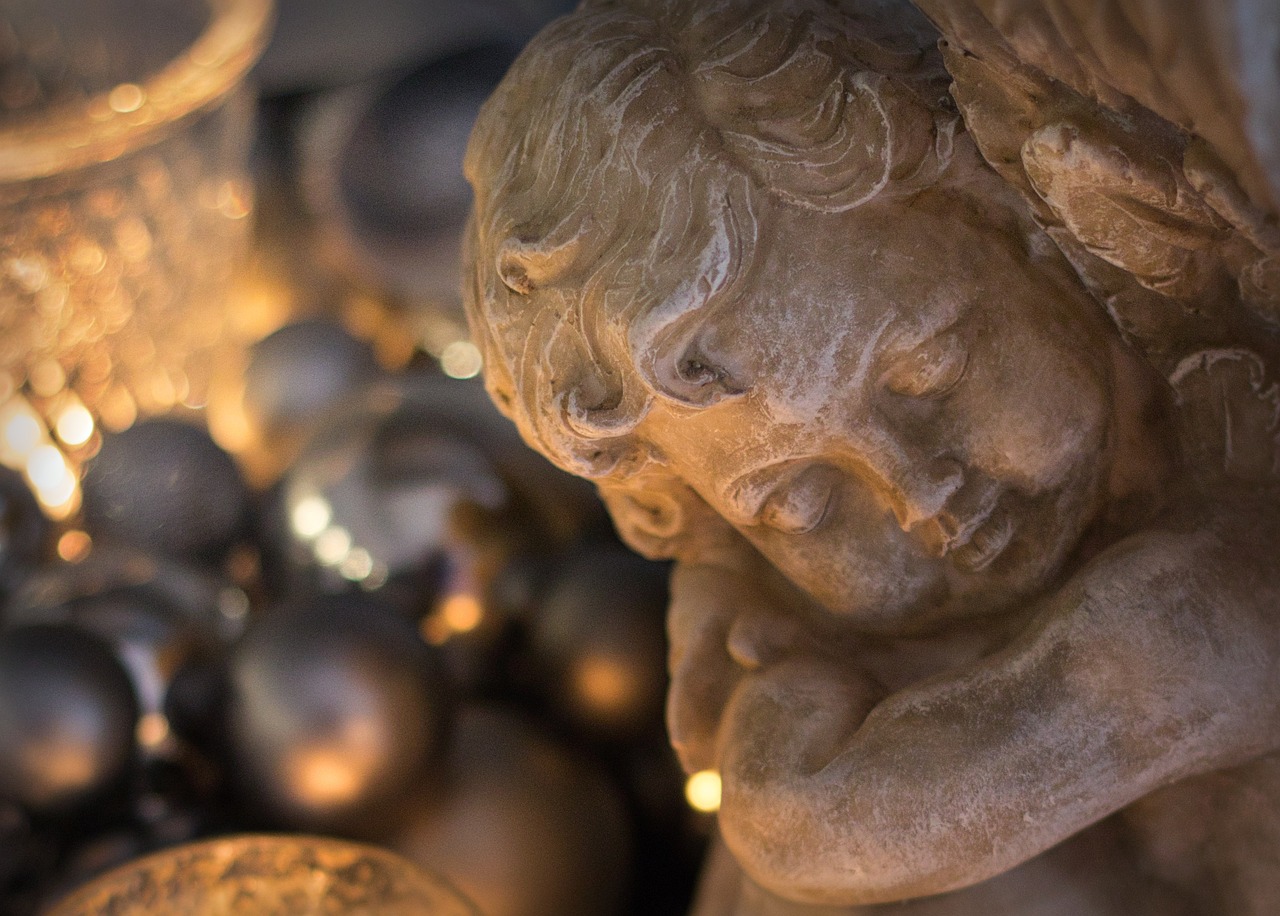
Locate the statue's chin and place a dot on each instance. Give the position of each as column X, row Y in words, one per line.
column 912, row 594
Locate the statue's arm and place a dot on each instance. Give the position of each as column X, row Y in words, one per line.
column 1160, row 660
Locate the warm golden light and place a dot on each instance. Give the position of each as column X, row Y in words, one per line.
column 47, row 470
column 21, row 433
column 332, row 545
column 604, row 684
column 152, row 730
column 322, row 776
column 47, row 378
column 356, row 565
column 74, row 546
column 461, row 359
column 702, row 791
column 433, row 630
column 75, row 424
column 457, row 614
column 232, row 200
column 311, row 516
column 62, row 499
column 461, row 613
column 59, row 765
column 118, row 409
column 126, row 97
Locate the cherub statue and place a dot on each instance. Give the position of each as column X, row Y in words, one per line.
column 947, row 373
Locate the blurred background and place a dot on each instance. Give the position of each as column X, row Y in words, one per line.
column 269, row 560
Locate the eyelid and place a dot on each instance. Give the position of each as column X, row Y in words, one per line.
column 802, row 505
column 792, row 498
column 931, row 370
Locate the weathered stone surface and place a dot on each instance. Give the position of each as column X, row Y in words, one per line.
column 947, row 373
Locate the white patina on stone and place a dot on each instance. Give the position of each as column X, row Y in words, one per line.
column 949, row 378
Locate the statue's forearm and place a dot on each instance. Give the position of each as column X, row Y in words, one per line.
column 1141, row 673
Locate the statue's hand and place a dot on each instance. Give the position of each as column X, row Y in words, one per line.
column 723, row 624
column 705, row 602
column 1157, row 662
column 786, row 721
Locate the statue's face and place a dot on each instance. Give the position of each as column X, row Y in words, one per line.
column 926, row 419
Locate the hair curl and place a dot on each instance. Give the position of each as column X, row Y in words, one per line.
column 635, row 133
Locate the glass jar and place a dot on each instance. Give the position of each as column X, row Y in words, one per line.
column 124, row 196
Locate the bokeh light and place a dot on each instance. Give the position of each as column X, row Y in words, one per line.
column 702, row 791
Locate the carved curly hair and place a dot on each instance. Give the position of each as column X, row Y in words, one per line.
column 637, row 133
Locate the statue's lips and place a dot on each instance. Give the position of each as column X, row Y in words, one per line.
column 986, row 543
column 975, row 539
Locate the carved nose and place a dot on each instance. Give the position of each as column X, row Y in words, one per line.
column 918, row 492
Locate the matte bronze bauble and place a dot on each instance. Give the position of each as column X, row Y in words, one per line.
column 336, row 708
column 67, row 717
column 526, row 827
column 599, row 638
column 165, row 486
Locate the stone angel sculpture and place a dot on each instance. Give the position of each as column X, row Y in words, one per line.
column 939, row 347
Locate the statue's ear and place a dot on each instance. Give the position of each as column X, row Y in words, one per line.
column 649, row 521
column 1128, row 205
column 657, row 515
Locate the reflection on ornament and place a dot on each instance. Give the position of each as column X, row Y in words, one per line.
column 152, row 731
column 158, row 616
column 300, row 371
column 526, row 827
column 336, row 708
column 397, row 495
column 599, row 637
column 69, row 714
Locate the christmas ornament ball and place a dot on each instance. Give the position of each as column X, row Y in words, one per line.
column 301, row 370
column 526, row 826
column 67, row 717
column 599, row 639
column 406, row 494
column 335, row 709
column 165, row 486
column 158, row 615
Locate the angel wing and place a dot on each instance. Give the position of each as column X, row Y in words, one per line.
column 1146, row 137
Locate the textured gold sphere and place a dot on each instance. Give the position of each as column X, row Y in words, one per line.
column 268, row 876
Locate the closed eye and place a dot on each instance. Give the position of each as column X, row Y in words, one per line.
column 800, row 506
column 930, row 371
